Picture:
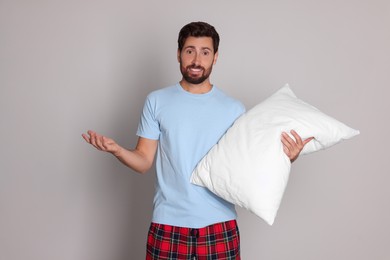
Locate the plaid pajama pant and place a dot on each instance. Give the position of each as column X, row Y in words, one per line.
column 219, row 241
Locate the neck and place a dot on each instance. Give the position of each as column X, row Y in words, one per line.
column 201, row 88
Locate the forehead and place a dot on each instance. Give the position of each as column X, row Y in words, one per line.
column 199, row 42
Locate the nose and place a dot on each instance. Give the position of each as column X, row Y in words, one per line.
column 196, row 59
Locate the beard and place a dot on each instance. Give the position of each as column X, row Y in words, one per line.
column 185, row 71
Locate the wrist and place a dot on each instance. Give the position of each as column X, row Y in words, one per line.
column 118, row 152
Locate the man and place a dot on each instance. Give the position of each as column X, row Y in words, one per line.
column 181, row 123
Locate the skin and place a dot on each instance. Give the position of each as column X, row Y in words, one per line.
column 292, row 148
column 196, row 60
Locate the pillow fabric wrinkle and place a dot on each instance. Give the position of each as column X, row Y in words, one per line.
column 248, row 166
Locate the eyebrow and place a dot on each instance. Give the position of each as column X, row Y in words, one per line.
column 193, row 47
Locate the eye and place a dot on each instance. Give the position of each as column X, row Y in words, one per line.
column 189, row 51
column 206, row 53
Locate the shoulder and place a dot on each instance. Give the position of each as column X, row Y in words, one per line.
column 162, row 93
column 229, row 100
column 161, row 96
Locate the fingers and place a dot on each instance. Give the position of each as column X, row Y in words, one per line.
column 286, row 151
column 298, row 139
column 287, row 141
column 94, row 139
column 105, row 143
column 292, row 148
column 101, row 142
column 86, row 138
column 297, row 143
column 307, row 140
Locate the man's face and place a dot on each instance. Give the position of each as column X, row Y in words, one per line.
column 197, row 59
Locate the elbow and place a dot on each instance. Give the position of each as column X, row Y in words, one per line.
column 143, row 169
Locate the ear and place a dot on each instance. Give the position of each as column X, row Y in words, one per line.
column 178, row 55
column 215, row 58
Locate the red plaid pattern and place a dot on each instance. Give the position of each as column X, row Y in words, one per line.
column 219, row 241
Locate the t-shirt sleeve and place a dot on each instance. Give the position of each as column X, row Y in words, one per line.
column 149, row 126
column 242, row 109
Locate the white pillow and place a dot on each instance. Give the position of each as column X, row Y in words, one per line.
column 248, row 166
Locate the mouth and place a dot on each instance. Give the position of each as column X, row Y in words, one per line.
column 195, row 70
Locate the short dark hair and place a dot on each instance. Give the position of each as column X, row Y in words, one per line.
column 198, row 29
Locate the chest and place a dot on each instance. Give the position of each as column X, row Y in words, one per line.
column 195, row 118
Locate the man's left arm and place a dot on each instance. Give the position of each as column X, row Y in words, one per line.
column 292, row 147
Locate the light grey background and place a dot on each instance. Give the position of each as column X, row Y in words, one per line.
column 70, row 66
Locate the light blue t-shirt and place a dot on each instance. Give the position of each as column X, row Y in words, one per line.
column 187, row 126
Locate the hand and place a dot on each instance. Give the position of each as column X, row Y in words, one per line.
column 291, row 147
column 102, row 143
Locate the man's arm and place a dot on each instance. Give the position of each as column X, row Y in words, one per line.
column 140, row 159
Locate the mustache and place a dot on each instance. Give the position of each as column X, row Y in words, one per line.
column 195, row 67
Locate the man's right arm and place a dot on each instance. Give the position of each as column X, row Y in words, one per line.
column 139, row 159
